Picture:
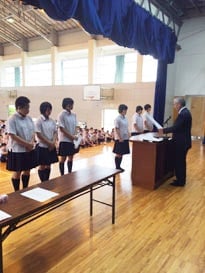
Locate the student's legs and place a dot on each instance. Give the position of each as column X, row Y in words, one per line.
column 44, row 172
column 41, row 173
column 61, row 164
column 25, row 178
column 15, row 179
column 70, row 163
column 47, row 172
column 118, row 160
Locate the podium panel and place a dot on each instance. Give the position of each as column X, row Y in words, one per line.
column 152, row 162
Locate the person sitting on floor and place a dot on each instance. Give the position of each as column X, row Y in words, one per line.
column 3, row 152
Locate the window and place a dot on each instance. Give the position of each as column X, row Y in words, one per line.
column 149, row 69
column 130, row 67
column 75, row 71
column 109, row 116
column 73, row 67
column 12, row 77
column 115, row 64
column 11, row 109
column 105, row 69
column 39, row 74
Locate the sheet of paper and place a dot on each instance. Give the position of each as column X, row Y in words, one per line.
column 154, row 122
column 4, row 215
column 151, row 138
column 77, row 142
column 39, row 194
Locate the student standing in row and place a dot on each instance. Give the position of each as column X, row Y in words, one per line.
column 148, row 119
column 137, row 122
column 46, row 132
column 67, row 129
column 21, row 153
column 122, row 135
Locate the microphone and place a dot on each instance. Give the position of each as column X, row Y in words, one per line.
column 166, row 121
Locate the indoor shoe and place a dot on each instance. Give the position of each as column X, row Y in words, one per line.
column 175, row 183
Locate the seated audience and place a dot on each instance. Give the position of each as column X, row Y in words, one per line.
column 108, row 136
column 3, row 152
column 100, row 136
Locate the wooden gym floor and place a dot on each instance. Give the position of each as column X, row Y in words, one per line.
column 161, row 231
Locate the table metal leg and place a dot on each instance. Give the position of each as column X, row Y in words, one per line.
column 91, row 201
column 1, row 252
column 113, row 200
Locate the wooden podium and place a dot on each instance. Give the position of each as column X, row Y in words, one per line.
column 152, row 160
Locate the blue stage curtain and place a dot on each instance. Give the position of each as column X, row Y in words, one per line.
column 127, row 24
column 160, row 92
column 123, row 21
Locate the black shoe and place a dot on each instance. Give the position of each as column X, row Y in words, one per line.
column 176, row 183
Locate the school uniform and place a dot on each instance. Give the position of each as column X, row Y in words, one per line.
column 148, row 126
column 121, row 148
column 19, row 159
column 138, row 120
column 47, row 127
column 69, row 122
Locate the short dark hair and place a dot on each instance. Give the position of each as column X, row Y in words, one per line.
column 21, row 102
column 67, row 101
column 147, row 106
column 139, row 108
column 44, row 106
column 122, row 107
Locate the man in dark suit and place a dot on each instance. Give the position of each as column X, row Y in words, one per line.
column 181, row 130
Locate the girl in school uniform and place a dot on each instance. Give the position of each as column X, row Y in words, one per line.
column 21, row 145
column 148, row 124
column 121, row 135
column 67, row 130
column 137, row 122
column 46, row 131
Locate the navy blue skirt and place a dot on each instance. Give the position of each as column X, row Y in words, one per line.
column 45, row 156
column 67, row 149
column 22, row 161
column 121, row 148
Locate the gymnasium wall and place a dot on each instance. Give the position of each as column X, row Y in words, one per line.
column 89, row 111
column 186, row 77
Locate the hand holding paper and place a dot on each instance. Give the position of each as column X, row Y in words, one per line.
column 154, row 122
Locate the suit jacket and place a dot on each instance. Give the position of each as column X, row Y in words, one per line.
column 181, row 129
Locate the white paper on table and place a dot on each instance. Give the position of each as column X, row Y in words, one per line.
column 4, row 215
column 151, row 138
column 39, row 194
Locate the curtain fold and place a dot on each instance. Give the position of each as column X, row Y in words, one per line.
column 127, row 24
column 123, row 21
column 160, row 92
